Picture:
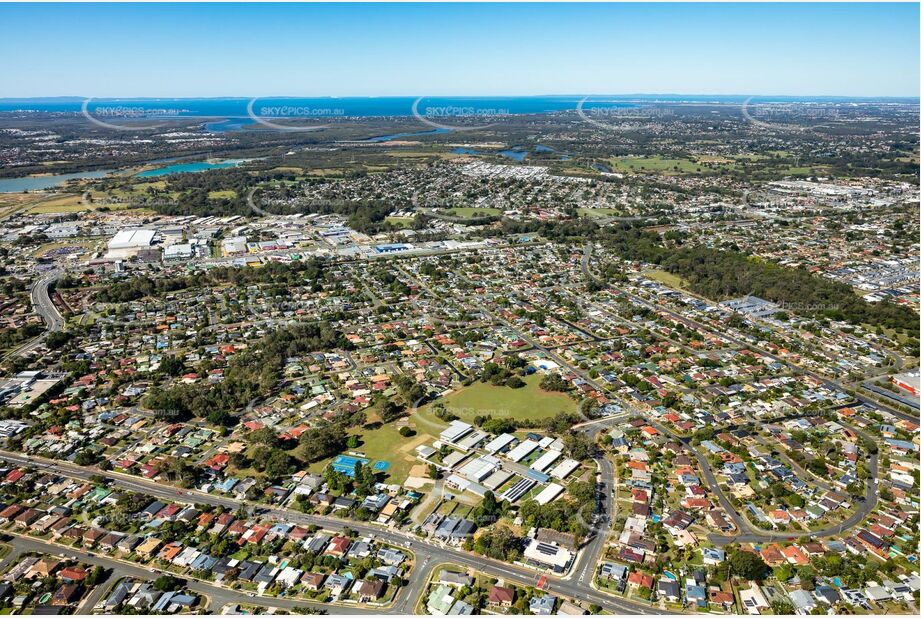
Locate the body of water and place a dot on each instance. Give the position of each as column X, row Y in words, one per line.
column 227, row 126
column 52, row 181
column 514, row 154
column 189, row 167
column 38, row 183
column 467, row 151
column 393, row 136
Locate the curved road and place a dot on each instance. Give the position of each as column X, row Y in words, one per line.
column 748, row 533
column 425, row 551
column 41, row 302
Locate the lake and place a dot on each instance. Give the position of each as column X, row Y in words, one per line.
column 189, row 167
column 51, row 181
column 38, row 183
column 387, row 138
column 515, row 154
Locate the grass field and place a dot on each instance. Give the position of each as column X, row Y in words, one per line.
column 227, row 194
column 385, row 443
column 415, row 154
column 793, row 170
column 471, row 213
column 62, row 203
column 655, row 164
column 400, row 221
column 326, row 172
column 672, row 281
column 480, row 398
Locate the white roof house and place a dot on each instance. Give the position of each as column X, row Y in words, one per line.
column 455, row 431
column 522, row 450
column 479, row 468
column 564, row 469
column 544, row 461
column 548, row 556
column 549, row 493
column 499, row 443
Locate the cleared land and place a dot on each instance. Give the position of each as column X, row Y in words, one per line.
column 482, row 398
column 655, row 164
column 471, row 213
column 672, row 281
column 384, row 443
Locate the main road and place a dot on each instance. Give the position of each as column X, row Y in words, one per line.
column 426, row 552
column 41, row 302
column 218, row 595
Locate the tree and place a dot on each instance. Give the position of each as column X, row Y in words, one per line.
column 172, row 366
column 391, row 411
column 167, row 583
column 278, row 464
column 323, row 441
column 748, row 565
column 264, row 435
column 514, row 382
column 554, row 382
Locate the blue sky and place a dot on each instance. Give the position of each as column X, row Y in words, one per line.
column 206, row 50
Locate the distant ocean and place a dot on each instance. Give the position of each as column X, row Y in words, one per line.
column 388, row 106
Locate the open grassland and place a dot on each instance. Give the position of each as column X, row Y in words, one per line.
column 655, row 165
column 482, row 398
column 384, row 443
column 471, row 213
column 666, row 278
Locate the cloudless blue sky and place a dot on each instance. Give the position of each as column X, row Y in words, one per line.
column 206, row 50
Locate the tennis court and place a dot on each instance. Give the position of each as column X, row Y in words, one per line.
column 345, row 464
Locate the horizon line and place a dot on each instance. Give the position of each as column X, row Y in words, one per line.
column 432, row 96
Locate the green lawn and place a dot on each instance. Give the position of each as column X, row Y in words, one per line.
column 667, row 278
column 400, row 221
column 481, row 398
column 655, row 164
column 385, row 443
column 472, row 213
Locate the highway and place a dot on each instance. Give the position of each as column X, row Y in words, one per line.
column 41, row 302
